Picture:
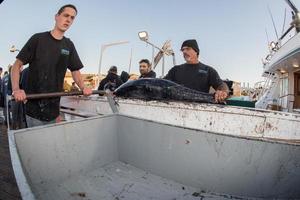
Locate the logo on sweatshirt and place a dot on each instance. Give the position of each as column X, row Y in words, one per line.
column 65, row 52
column 201, row 71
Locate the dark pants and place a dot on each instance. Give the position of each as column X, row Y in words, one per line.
column 18, row 116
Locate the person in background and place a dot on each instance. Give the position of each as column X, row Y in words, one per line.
column 124, row 76
column 6, row 90
column 145, row 69
column 1, row 95
column 74, row 88
column 196, row 75
column 1, row 70
column 49, row 55
column 111, row 81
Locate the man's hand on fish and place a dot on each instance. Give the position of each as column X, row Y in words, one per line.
column 19, row 95
column 220, row 96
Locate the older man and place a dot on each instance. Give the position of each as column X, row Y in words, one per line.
column 196, row 75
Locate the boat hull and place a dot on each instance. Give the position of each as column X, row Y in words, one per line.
column 231, row 120
column 52, row 162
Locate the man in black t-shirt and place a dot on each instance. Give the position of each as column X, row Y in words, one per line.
column 196, row 75
column 145, row 69
column 49, row 55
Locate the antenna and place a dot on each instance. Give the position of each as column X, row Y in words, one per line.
column 267, row 37
column 283, row 21
column 296, row 16
column 293, row 7
column 130, row 59
column 273, row 22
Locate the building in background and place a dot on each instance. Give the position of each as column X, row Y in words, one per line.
column 90, row 80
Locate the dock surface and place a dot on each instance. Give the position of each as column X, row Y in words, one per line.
column 8, row 186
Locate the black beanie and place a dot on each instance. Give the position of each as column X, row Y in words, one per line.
column 191, row 43
column 113, row 69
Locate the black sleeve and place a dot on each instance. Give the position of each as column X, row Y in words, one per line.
column 101, row 84
column 119, row 82
column 170, row 75
column 27, row 53
column 214, row 79
column 75, row 62
column 153, row 74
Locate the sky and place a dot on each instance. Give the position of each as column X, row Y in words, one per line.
column 231, row 34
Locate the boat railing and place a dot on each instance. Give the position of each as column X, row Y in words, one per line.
column 270, row 79
column 285, row 102
column 266, row 94
column 257, row 89
column 274, row 46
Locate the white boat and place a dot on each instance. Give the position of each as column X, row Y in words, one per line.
column 151, row 150
column 281, row 70
column 134, row 149
column 229, row 120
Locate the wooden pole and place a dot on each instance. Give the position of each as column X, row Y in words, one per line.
column 59, row 94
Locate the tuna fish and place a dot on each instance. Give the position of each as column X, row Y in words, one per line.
column 161, row 89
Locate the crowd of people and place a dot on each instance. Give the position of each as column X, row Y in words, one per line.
column 49, row 54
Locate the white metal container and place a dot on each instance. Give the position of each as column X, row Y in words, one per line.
column 125, row 157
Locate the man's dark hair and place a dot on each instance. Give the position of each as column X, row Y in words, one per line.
column 66, row 6
column 145, row 61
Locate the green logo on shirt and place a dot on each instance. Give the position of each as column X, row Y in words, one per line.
column 201, row 71
column 65, row 52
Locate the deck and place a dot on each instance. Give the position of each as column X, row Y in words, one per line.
column 8, row 185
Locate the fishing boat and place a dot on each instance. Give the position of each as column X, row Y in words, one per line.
column 151, row 150
column 136, row 149
column 281, row 70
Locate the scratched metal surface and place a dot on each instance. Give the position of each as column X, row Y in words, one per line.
column 201, row 160
column 118, row 181
column 229, row 120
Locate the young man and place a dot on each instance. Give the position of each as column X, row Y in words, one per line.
column 196, row 75
column 49, row 54
column 145, row 69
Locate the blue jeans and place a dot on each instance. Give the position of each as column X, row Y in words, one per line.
column 31, row 122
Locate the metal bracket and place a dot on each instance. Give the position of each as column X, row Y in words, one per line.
column 112, row 103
